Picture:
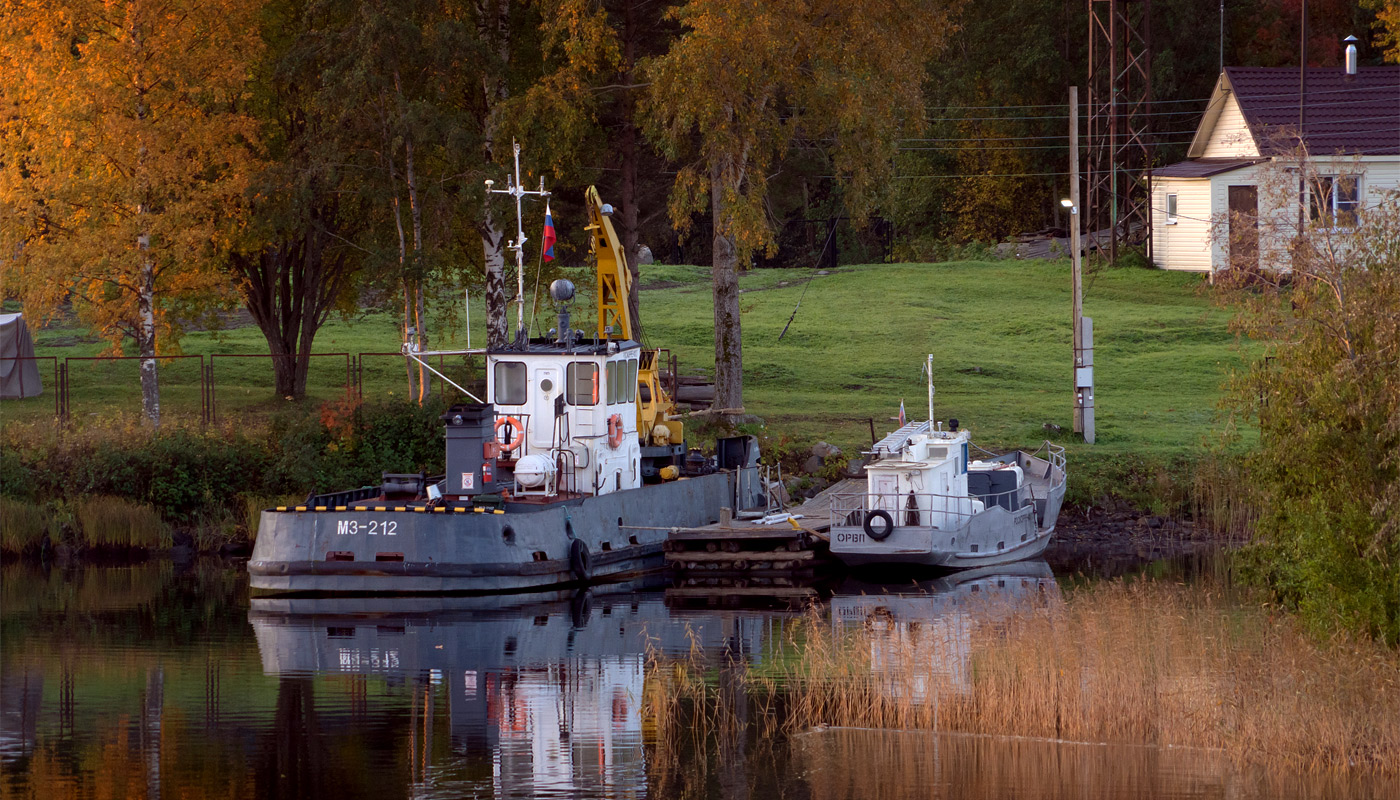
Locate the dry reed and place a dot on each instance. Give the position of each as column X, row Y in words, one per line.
column 1148, row 663
column 23, row 526
column 112, row 522
column 1223, row 501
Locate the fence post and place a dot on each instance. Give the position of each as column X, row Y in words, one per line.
column 213, row 396
column 63, row 392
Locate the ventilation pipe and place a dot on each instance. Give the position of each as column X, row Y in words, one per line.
column 1351, row 55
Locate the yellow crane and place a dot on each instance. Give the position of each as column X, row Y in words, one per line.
column 654, row 404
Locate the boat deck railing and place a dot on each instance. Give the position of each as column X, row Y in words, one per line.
column 910, row 509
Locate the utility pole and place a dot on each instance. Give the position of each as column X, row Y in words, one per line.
column 1075, row 249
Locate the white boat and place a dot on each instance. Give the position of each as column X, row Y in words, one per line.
column 932, row 498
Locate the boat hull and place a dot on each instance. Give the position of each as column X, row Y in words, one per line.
column 378, row 547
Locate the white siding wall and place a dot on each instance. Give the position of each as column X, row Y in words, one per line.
column 1185, row 244
column 1278, row 202
column 1382, row 175
column 1230, row 138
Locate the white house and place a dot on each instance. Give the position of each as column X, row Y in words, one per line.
column 1239, row 187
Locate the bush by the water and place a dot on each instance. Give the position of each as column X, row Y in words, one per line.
column 1327, row 403
column 204, row 478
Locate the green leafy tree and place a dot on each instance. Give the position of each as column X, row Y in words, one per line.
column 742, row 80
column 297, row 261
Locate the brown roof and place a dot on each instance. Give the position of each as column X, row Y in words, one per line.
column 1202, row 167
column 1357, row 114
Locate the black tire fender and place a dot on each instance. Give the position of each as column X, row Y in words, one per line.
column 580, row 562
column 878, row 532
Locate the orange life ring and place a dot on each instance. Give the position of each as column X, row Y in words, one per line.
column 615, row 431
column 518, row 429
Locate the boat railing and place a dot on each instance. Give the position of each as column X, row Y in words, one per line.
column 1054, row 455
column 915, row 509
column 1049, row 453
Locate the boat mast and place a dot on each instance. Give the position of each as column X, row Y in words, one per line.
column 929, row 369
column 515, row 189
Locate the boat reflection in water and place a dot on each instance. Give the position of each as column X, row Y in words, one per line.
column 920, row 634
column 548, row 686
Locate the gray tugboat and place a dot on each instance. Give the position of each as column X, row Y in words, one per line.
column 574, row 469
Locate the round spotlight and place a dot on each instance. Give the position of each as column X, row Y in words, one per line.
column 562, row 290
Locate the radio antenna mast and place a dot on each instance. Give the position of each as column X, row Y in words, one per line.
column 515, row 189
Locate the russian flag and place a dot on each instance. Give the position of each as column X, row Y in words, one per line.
column 549, row 237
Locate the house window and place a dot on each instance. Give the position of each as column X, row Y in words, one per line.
column 581, row 384
column 510, row 383
column 1171, row 209
column 1334, row 200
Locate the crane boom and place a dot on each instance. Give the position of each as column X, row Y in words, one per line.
column 614, row 280
column 663, row 439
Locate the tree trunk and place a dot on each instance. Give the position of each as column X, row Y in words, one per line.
column 492, row 240
column 146, row 334
column 415, row 210
column 627, row 154
column 493, row 25
column 724, row 272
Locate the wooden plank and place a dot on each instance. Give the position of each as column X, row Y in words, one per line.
column 742, row 555
column 742, row 591
column 720, row 534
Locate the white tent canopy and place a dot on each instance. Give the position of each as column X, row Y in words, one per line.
column 19, row 372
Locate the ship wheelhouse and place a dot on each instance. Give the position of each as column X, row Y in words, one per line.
column 566, row 417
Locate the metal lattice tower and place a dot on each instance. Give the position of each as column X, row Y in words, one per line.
column 1118, row 144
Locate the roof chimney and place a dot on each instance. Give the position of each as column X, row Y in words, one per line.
column 1351, row 54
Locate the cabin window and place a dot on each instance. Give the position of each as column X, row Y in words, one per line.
column 615, row 373
column 510, row 383
column 622, row 381
column 581, row 384
column 1171, row 209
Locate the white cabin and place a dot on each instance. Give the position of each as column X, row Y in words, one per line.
column 577, row 406
column 924, row 482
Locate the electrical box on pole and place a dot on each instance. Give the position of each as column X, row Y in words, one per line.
column 1084, row 377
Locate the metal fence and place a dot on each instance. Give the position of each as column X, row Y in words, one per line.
column 221, row 385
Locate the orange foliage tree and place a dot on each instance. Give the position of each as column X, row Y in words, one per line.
column 123, row 159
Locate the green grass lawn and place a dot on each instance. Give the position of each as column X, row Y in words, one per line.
column 999, row 333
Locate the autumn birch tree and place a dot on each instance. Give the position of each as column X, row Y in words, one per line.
column 745, row 78
column 124, row 158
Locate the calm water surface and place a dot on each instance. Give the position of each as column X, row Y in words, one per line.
column 162, row 681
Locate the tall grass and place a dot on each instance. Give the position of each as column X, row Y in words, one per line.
column 23, row 526
column 115, row 523
column 1150, row 663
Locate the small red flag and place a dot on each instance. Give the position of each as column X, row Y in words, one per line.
column 548, row 238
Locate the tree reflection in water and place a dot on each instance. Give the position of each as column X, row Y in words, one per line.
column 152, row 681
